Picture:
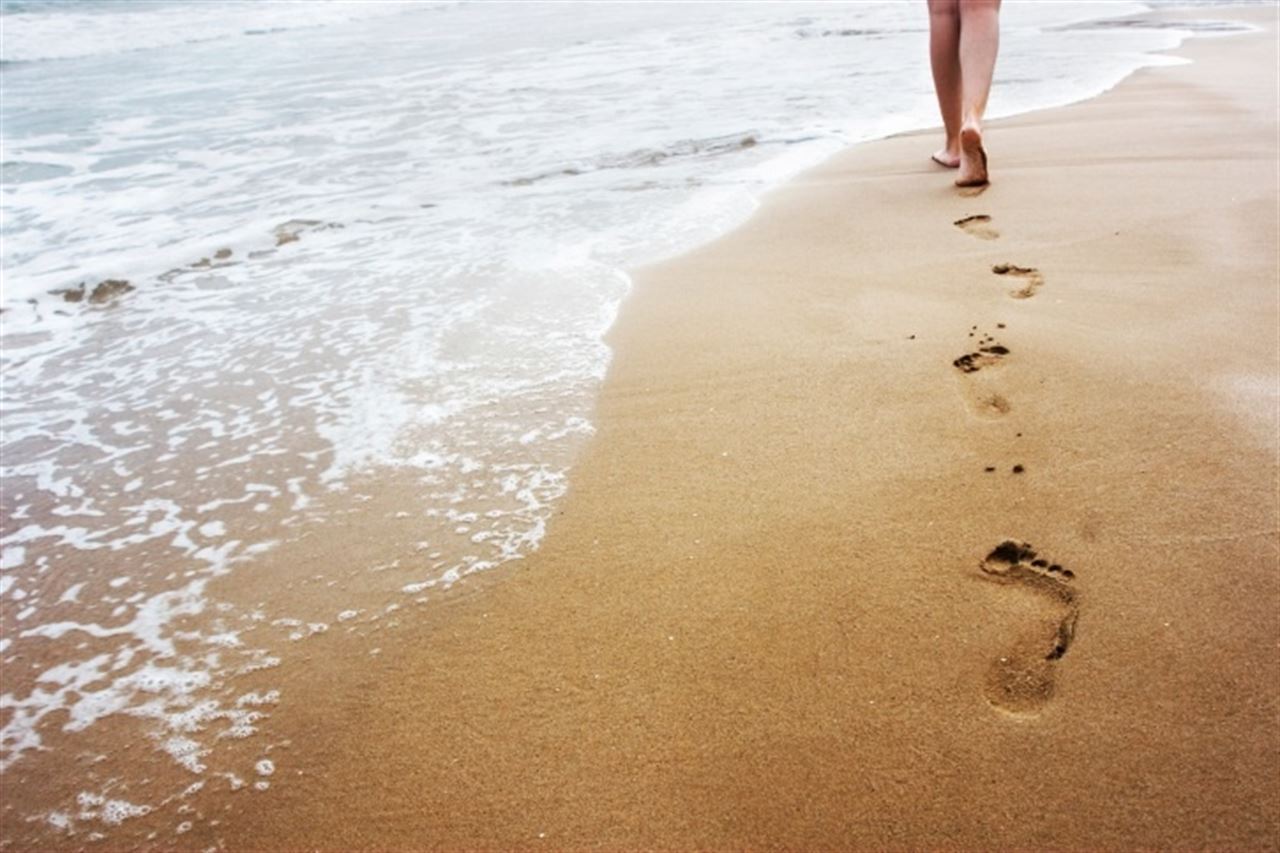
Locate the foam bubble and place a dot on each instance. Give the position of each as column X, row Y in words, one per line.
column 98, row 807
column 186, row 752
column 11, row 558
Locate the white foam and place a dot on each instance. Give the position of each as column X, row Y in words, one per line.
column 160, row 691
column 148, row 625
column 213, row 529
column 98, row 807
column 11, row 558
column 186, row 752
column 84, row 31
column 71, row 594
column 254, row 698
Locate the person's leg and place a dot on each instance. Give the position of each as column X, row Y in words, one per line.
column 944, row 58
column 979, row 40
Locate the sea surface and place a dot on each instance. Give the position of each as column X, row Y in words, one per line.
column 258, row 256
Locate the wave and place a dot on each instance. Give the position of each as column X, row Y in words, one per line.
column 645, row 157
column 36, row 32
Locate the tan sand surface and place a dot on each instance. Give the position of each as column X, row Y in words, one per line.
column 762, row 618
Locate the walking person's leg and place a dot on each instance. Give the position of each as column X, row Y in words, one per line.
column 979, row 41
column 944, row 58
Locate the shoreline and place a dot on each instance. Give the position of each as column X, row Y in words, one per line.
column 770, row 611
column 77, row 290
column 761, row 617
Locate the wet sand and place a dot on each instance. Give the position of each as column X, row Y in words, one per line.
column 787, row 602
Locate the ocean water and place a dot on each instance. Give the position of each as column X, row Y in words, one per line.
column 257, row 256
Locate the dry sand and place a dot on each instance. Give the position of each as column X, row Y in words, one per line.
column 761, row 619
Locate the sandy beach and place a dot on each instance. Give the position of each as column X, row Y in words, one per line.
column 915, row 518
column 776, row 611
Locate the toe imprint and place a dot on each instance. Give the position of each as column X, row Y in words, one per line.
column 988, row 354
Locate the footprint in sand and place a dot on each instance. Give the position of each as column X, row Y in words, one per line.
column 1022, row 680
column 978, row 226
column 1031, row 279
column 989, row 353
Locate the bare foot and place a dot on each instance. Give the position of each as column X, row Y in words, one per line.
column 948, row 157
column 973, row 158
